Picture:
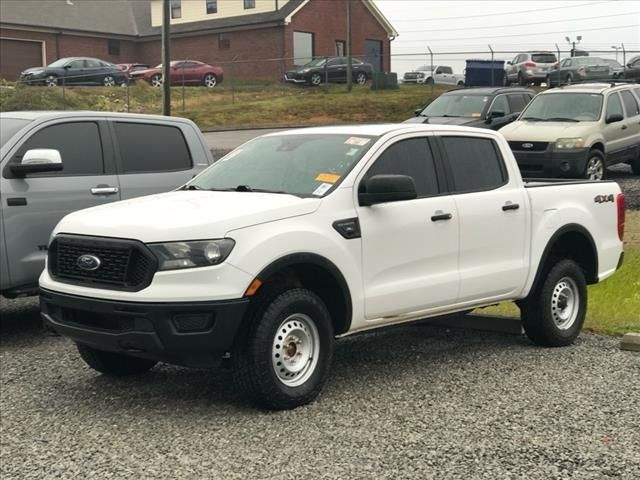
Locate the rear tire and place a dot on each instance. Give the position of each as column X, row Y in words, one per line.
column 521, row 80
column 113, row 364
column 284, row 360
column 552, row 315
column 361, row 78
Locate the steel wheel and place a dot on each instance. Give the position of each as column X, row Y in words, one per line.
column 295, row 350
column 565, row 303
column 109, row 81
column 316, row 79
column 361, row 78
column 51, row 81
column 156, row 80
column 210, row 80
column 595, row 168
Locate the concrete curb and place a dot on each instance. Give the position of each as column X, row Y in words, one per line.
column 630, row 342
column 500, row 324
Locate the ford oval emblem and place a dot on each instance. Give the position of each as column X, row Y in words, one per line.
column 527, row 145
column 89, row 263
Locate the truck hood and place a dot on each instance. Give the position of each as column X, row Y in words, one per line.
column 545, row 131
column 184, row 215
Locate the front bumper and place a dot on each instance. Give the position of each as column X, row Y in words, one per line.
column 552, row 163
column 295, row 78
column 191, row 334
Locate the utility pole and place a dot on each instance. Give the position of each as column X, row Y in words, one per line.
column 349, row 52
column 616, row 48
column 166, row 57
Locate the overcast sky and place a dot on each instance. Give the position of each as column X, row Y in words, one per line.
column 455, row 26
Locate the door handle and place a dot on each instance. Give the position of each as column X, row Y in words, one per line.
column 439, row 216
column 624, row 127
column 104, row 190
column 510, row 206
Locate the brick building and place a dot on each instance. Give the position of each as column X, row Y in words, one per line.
column 262, row 37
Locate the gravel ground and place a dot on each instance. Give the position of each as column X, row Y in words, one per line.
column 629, row 183
column 413, row 402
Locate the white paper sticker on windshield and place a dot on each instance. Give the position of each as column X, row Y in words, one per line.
column 322, row 189
column 361, row 142
column 352, row 152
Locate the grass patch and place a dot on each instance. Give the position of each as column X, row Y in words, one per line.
column 614, row 305
column 233, row 105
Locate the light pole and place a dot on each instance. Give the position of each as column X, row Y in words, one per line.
column 616, row 48
column 573, row 44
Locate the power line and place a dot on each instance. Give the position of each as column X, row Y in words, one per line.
column 524, row 34
column 497, row 14
column 516, row 24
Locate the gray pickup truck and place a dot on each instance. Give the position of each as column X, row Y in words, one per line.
column 53, row 163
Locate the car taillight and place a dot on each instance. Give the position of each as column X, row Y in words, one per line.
column 620, row 210
column 530, row 64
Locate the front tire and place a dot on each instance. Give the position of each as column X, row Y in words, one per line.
column 108, row 81
column 113, row 364
column 429, row 81
column 635, row 166
column 521, row 80
column 595, row 168
column 316, row 79
column 285, row 358
column 552, row 315
column 51, row 81
column 210, row 80
column 156, row 80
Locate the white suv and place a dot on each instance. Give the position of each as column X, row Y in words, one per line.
column 577, row 131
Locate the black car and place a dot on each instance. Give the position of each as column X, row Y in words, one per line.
column 332, row 69
column 75, row 71
column 633, row 69
column 482, row 107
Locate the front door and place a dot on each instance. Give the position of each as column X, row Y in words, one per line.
column 33, row 205
column 336, row 70
column 615, row 133
column 75, row 73
column 373, row 54
column 493, row 211
column 410, row 248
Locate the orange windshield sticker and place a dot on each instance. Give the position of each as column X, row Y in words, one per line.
column 475, row 114
column 327, row 177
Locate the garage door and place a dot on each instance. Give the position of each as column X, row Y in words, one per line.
column 17, row 55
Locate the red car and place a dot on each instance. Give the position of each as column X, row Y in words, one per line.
column 183, row 72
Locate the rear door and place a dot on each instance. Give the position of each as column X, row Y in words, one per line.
column 493, row 213
column 632, row 122
column 33, row 205
column 152, row 157
column 410, row 248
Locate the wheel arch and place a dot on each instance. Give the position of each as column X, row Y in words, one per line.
column 572, row 241
column 319, row 275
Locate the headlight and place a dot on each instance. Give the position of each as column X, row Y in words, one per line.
column 178, row 255
column 421, row 75
column 569, row 143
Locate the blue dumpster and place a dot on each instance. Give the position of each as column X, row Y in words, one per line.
column 484, row 73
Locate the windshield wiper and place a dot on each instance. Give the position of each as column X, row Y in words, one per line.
column 534, row 119
column 247, row 188
column 561, row 119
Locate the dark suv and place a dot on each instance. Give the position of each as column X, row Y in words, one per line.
column 483, row 107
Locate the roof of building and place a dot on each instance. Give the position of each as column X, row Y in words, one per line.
column 133, row 17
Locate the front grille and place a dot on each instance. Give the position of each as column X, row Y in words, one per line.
column 124, row 264
column 529, row 146
column 412, row 76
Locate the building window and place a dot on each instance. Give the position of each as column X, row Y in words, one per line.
column 224, row 42
column 113, row 47
column 249, row 4
column 302, row 47
column 212, row 6
column 340, row 48
column 176, row 8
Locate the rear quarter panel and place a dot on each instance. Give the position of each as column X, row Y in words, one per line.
column 555, row 206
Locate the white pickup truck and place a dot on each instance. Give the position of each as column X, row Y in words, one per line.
column 442, row 74
column 296, row 238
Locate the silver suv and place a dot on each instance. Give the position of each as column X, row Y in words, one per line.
column 530, row 67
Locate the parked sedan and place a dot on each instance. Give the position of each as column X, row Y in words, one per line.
column 476, row 107
column 633, row 68
column 183, row 72
column 333, row 70
column 74, row 71
column 576, row 69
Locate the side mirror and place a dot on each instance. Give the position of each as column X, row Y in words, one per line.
column 614, row 117
column 509, row 63
column 494, row 114
column 38, row 160
column 387, row 188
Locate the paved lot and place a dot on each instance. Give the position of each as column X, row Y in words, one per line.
column 413, row 402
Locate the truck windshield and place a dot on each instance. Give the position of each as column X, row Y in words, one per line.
column 470, row 105
column 306, row 165
column 9, row 127
column 568, row 107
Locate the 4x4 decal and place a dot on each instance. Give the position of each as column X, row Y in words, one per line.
column 604, row 198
